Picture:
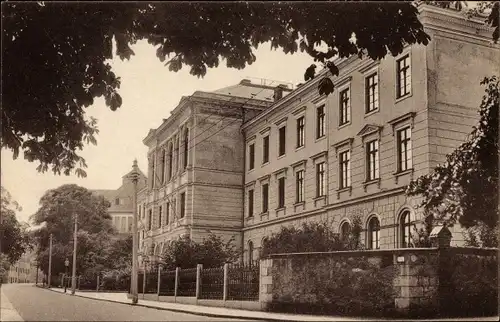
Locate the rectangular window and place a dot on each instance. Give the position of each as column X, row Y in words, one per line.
column 265, row 197
column 372, row 160
column 345, row 169
column 250, row 203
column 300, row 131
column 299, row 184
column 160, row 210
column 183, row 204
column 371, row 93
column 403, row 76
column 265, row 149
column 167, row 213
column 345, row 108
column 251, row 156
column 404, row 149
column 150, row 218
column 320, row 179
column 320, row 122
column 281, row 192
column 282, row 141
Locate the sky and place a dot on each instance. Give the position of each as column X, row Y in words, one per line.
column 149, row 92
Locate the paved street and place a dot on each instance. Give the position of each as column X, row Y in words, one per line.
column 35, row 304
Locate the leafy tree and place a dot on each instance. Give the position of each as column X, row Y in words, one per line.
column 14, row 240
column 212, row 252
column 312, row 237
column 465, row 187
column 119, row 252
column 57, row 209
column 56, row 55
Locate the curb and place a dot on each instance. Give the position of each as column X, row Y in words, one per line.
column 214, row 315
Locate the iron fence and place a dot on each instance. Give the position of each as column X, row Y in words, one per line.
column 212, row 283
column 243, row 282
column 167, row 283
column 187, row 282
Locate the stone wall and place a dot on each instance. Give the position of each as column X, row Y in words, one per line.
column 424, row 282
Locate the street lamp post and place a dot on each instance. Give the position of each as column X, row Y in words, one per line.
column 135, row 242
column 66, row 264
column 50, row 261
column 73, row 274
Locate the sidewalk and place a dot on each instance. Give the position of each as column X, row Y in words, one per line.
column 233, row 313
column 7, row 311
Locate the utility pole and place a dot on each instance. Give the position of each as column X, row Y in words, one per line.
column 135, row 241
column 73, row 274
column 50, row 259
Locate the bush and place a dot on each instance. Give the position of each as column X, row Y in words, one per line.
column 313, row 237
column 212, row 252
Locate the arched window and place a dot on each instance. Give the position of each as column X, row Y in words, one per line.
column 373, row 233
column 186, row 148
column 405, row 229
column 345, row 229
column 162, row 168
column 250, row 252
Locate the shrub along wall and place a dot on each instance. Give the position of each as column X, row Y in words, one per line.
column 414, row 282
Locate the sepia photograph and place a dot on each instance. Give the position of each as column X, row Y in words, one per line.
column 249, row 161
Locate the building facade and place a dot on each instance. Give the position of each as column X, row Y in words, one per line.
column 355, row 151
column 23, row 271
column 242, row 165
column 196, row 167
column 121, row 207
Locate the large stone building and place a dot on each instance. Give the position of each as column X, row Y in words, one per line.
column 303, row 157
column 121, row 207
column 196, row 166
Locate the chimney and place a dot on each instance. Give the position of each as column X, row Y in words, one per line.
column 278, row 92
column 245, row 82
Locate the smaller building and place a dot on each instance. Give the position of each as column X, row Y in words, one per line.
column 23, row 271
column 121, row 209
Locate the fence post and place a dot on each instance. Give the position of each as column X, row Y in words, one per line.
column 176, row 287
column 158, row 287
column 199, row 267
column 97, row 283
column 226, row 282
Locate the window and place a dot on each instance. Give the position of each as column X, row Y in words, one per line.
column 405, row 229
column 300, row 131
column 320, row 179
column 250, row 252
column 250, row 203
column 153, row 161
column 345, row 169
column 150, row 218
column 403, row 76
column 170, row 161
column 265, row 149
column 167, row 213
column 371, row 83
column 186, row 148
column 345, row 110
column 177, row 142
column 160, row 210
column 320, row 122
column 374, row 233
column 251, row 156
column 282, row 141
column 281, row 192
column 265, row 197
column 404, row 149
column 299, row 179
column 117, row 201
column 162, row 165
column 372, row 160
column 183, row 204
